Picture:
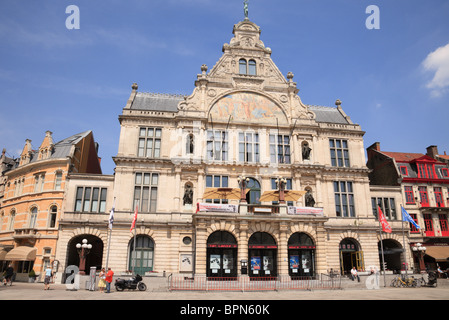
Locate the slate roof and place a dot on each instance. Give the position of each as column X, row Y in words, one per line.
column 169, row 103
column 156, row 101
column 62, row 148
column 328, row 114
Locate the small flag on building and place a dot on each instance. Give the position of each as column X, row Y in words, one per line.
column 408, row 218
column 385, row 226
column 111, row 218
column 133, row 225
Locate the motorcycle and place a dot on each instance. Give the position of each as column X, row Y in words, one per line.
column 132, row 284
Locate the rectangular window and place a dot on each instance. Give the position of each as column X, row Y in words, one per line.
column 423, row 196
column 409, row 195
column 444, row 173
column 387, row 205
column 344, row 199
column 404, row 170
column 428, row 224
column 249, row 147
column 90, row 199
column 149, row 142
column 412, row 227
column 339, row 152
column 438, row 197
column 213, row 181
column 145, row 191
column 217, row 145
column 58, row 180
column 279, row 148
column 443, row 225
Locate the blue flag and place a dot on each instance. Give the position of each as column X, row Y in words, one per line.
column 408, row 218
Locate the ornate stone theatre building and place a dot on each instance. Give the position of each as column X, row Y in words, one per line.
column 241, row 177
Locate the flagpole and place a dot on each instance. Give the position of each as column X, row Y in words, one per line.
column 134, row 251
column 403, row 240
column 382, row 250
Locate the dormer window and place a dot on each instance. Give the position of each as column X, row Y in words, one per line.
column 247, row 67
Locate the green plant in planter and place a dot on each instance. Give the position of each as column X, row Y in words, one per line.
column 32, row 276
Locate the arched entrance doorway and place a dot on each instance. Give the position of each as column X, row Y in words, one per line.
column 141, row 257
column 262, row 255
column 253, row 195
column 93, row 259
column 221, row 255
column 350, row 256
column 301, row 254
column 392, row 255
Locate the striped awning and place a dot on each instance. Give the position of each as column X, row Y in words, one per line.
column 21, row 253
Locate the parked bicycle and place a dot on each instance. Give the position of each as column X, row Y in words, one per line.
column 403, row 282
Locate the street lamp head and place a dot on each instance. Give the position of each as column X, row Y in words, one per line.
column 89, row 246
column 78, row 245
column 84, row 241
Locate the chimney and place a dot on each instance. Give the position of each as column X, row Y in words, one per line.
column 432, row 151
column 374, row 146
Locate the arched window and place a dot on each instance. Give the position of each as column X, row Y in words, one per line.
column 252, row 67
column 242, row 66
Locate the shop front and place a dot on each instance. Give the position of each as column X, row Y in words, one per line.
column 301, row 253
column 221, row 256
column 262, row 255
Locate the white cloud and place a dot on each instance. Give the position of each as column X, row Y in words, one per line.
column 438, row 62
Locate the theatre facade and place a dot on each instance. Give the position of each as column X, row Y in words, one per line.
column 239, row 178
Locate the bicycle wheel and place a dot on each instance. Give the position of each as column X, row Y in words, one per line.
column 393, row 283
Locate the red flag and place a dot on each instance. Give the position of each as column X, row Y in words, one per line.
column 134, row 220
column 385, row 226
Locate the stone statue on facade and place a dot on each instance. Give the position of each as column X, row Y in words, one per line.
column 310, row 201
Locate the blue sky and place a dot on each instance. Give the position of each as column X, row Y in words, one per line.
column 393, row 81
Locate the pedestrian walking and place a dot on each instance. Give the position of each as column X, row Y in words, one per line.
column 108, row 279
column 48, row 277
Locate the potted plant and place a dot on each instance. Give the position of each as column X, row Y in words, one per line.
column 31, row 276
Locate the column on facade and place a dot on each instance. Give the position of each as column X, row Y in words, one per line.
column 177, row 193
column 283, row 249
column 200, row 248
column 242, row 245
column 320, row 251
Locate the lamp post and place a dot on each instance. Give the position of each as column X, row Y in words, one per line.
column 83, row 251
column 420, row 251
column 281, row 183
column 243, row 181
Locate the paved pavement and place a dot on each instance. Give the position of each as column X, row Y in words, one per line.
column 35, row 291
column 218, row 305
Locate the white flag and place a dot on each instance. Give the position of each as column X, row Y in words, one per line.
column 111, row 218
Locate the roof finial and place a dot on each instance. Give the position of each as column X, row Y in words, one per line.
column 245, row 9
